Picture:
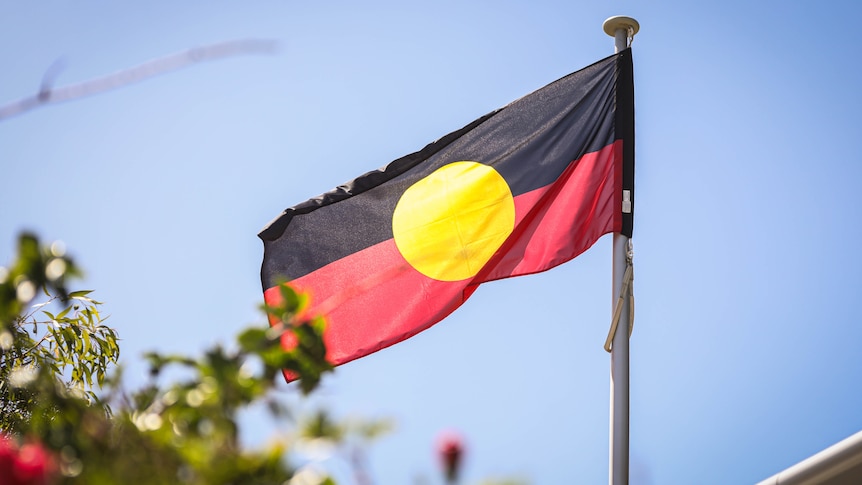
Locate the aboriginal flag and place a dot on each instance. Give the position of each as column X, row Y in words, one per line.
column 518, row 191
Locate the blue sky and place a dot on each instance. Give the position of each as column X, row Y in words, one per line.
column 745, row 353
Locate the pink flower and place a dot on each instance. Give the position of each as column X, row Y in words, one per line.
column 35, row 465
column 450, row 447
column 30, row 464
column 8, row 457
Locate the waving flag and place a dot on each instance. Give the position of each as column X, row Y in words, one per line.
column 518, row 191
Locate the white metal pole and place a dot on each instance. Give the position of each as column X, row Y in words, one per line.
column 620, row 28
column 619, row 417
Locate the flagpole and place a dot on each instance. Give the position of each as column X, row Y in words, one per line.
column 621, row 29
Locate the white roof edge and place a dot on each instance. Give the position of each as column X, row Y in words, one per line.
column 822, row 466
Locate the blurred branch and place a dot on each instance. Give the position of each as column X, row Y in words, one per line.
column 125, row 77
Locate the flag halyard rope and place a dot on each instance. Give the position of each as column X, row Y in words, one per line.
column 626, row 292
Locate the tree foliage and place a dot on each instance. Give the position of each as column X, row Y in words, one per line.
column 52, row 363
column 71, row 350
column 65, row 416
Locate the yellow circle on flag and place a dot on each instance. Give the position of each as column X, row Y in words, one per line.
column 450, row 223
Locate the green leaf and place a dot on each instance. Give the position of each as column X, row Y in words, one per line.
column 68, row 338
column 86, row 335
column 63, row 313
column 253, row 339
column 290, row 299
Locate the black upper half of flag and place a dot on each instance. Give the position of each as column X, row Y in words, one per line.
column 530, row 142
